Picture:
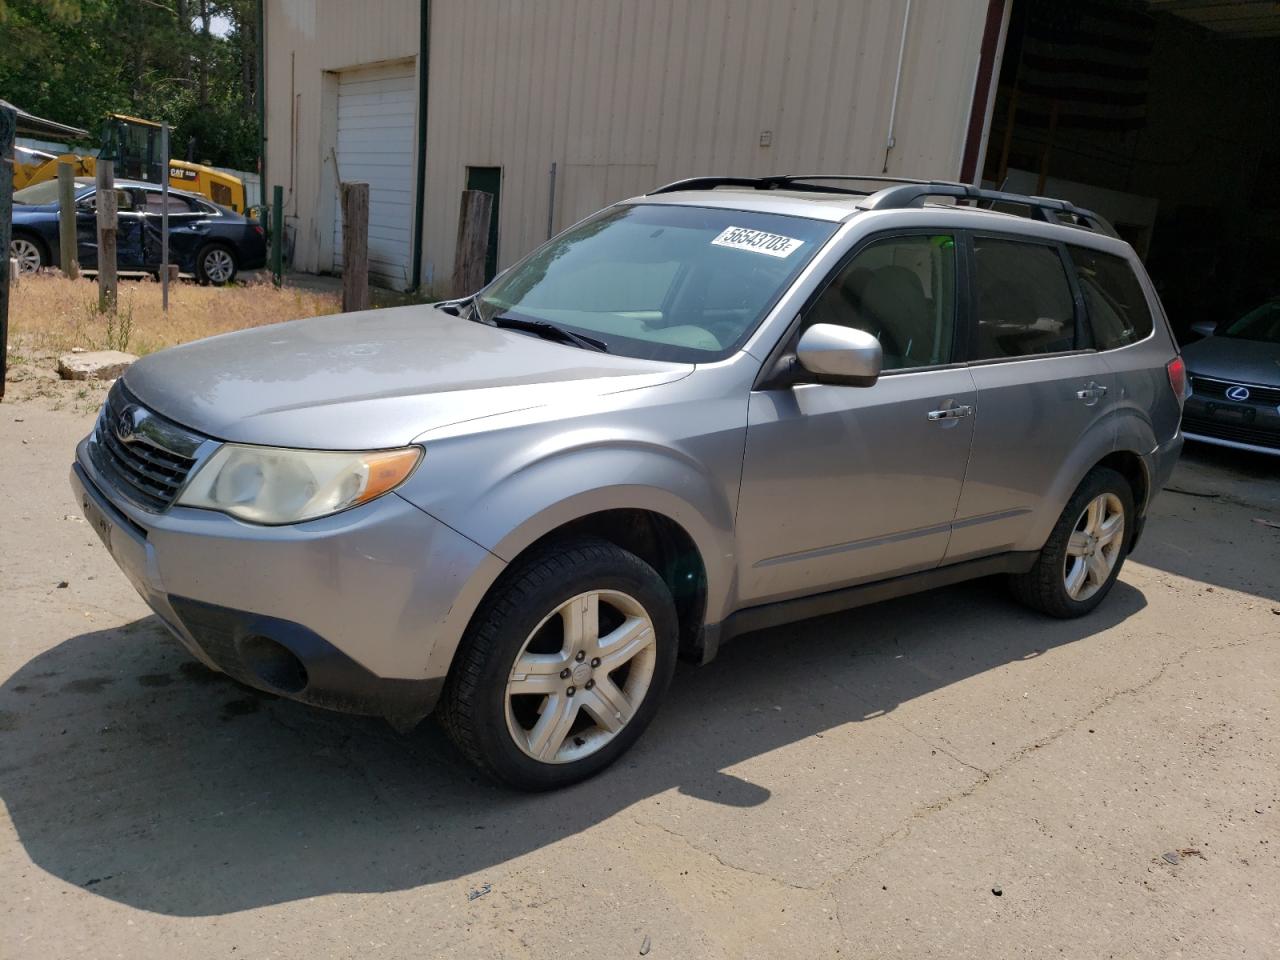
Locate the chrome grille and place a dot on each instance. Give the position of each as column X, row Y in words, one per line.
column 1210, row 387
column 145, row 457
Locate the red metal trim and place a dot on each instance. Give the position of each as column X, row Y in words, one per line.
column 987, row 67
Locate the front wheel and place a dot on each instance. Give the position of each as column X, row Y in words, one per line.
column 1082, row 558
column 215, row 265
column 564, row 667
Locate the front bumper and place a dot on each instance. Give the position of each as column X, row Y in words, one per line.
column 355, row 612
column 1226, row 423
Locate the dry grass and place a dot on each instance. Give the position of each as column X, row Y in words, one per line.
column 51, row 314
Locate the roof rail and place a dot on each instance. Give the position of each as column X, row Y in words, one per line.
column 1045, row 209
column 905, row 192
column 783, row 182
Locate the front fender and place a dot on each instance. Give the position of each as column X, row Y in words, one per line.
column 508, row 487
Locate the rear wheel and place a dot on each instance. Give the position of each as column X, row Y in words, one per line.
column 1082, row 558
column 565, row 666
column 215, row 264
column 29, row 254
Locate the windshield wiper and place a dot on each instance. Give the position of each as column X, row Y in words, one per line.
column 548, row 331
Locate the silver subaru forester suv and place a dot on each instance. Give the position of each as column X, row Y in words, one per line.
column 725, row 405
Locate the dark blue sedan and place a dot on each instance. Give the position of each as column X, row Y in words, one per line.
column 206, row 241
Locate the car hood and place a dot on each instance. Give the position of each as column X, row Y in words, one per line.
column 375, row 379
column 1224, row 358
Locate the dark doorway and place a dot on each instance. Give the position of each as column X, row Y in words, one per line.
column 1162, row 116
column 488, row 179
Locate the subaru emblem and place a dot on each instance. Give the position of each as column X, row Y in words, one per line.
column 1238, row 394
column 124, row 425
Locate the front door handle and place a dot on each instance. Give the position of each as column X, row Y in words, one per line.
column 954, row 412
column 1092, row 393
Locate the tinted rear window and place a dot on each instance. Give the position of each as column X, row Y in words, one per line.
column 1024, row 304
column 1113, row 297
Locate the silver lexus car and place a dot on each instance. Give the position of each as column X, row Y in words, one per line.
column 725, row 405
column 1234, row 382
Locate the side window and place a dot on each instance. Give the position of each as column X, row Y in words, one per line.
column 1023, row 303
column 901, row 290
column 124, row 201
column 155, row 203
column 1113, row 297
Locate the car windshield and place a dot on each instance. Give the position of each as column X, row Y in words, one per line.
column 37, row 194
column 659, row 281
column 1262, row 324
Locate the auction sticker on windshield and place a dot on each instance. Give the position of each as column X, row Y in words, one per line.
column 757, row 241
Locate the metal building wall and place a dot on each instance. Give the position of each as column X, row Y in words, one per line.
column 307, row 43
column 622, row 95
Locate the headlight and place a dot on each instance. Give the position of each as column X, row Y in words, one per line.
column 272, row 485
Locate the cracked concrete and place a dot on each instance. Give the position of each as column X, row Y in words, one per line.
column 855, row 786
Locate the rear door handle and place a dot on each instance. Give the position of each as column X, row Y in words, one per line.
column 951, row 413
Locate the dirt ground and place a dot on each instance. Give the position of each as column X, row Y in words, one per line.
column 941, row 776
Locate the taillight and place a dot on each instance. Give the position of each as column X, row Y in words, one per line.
column 1177, row 370
column 257, row 228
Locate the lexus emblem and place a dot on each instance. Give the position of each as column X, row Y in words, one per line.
column 1238, row 394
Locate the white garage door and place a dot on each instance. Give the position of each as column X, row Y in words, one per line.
column 376, row 144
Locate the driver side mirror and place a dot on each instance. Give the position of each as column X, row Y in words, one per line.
column 838, row 355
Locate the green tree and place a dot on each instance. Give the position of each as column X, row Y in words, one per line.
column 74, row 61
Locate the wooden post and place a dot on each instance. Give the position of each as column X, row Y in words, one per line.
column 355, row 247
column 473, row 242
column 277, row 234
column 1003, row 171
column 1048, row 148
column 8, row 129
column 551, row 203
column 164, row 218
column 67, row 220
column 106, row 201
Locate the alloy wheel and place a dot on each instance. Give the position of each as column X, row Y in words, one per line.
column 26, row 253
column 580, row 676
column 1094, row 547
column 218, row 265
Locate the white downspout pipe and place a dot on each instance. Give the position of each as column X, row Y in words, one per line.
column 897, row 84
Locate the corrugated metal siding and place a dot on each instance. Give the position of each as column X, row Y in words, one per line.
column 626, row 95
column 623, row 96
column 307, row 43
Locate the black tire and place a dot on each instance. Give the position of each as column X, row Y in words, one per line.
column 207, row 273
column 1044, row 587
column 473, row 706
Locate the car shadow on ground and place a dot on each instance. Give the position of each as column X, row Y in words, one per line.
column 1216, row 521
column 132, row 771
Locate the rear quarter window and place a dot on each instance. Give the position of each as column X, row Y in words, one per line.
column 1114, row 300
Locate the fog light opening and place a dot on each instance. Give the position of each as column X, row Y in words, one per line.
column 274, row 664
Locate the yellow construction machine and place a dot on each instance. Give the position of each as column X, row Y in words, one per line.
column 133, row 145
